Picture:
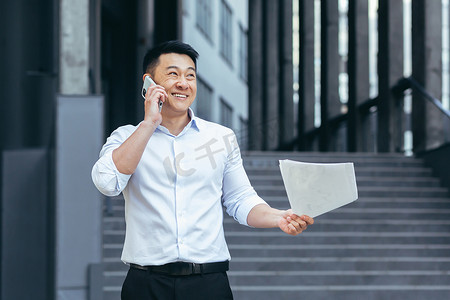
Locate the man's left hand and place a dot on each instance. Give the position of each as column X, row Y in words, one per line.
column 293, row 224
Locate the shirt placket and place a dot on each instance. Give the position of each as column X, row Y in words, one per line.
column 179, row 200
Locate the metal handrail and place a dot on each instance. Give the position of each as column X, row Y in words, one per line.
column 364, row 108
column 406, row 83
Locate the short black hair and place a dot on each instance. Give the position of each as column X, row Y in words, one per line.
column 151, row 58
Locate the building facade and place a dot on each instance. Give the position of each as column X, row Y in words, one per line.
column 218, row 30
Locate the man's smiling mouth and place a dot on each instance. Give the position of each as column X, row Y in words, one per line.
column 179, row 95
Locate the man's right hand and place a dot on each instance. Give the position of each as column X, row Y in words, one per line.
column 154, row 94
column 127, row 156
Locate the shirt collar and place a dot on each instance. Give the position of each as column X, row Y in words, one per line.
column 196, row 121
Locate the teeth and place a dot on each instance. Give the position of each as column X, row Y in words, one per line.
column 179, row 95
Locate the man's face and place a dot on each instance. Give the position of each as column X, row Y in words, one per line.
column 176, row 73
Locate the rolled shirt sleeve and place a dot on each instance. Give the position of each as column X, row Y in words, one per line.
column 105, row 175
column 239, row 197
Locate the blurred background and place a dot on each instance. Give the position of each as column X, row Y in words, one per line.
column 347, row 76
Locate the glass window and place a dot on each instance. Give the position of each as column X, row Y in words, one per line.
column 226, row 114
column 226, row 42
column 204, row 100
column 243, row 53
column 203, row 17
column 242, row 135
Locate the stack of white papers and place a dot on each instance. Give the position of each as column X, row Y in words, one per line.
column 314, row 189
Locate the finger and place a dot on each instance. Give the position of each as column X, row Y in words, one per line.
column 307, row 219
column 153, row 90
column 158, row 89
column 293, row 230
column 294, row 223
column 157, row 95
column 298, row 220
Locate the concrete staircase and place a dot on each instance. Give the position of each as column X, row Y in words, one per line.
column 393, row 242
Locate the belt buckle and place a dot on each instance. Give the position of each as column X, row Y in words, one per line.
column 197, row 268
column 184, row 269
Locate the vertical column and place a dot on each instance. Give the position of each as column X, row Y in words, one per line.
column 286, row 109
column 78, row 136
column 28, row 68
column 255, row 76
column 74, row 47
column 24, row 225
column 329, row 96
column 145, row 37
column 306, row 72
column 427, row 70
column 358, row 69
column 167, row 20
column 78, row 208
column 271, row 75
column 390, row 69
column 95, row 38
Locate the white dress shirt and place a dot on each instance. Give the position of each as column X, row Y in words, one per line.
column 173, row 201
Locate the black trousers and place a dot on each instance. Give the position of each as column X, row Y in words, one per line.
column 147, row 285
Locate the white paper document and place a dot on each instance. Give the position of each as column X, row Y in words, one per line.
column 314, row 189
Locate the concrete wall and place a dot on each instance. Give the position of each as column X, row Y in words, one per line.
column 25, row 221
column 79, row 137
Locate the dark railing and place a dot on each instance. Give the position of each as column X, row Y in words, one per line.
column 417, row 122
column 367, row 113
column 410, row 83
column 337, row 126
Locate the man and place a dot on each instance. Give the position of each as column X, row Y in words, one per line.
column 175, row 170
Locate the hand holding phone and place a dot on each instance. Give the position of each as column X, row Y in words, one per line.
column 148, row 82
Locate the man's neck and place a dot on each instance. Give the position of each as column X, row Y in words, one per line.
column 175, row 123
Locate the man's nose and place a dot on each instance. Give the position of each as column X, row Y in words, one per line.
column 182, row 83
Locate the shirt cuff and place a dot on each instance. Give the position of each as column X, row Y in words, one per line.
column 108, row 178
column 246, row 207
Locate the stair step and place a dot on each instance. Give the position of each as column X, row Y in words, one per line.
column 357, row 163
column 316, row 237
column 315, row 278
column 276, row 180
column 334, row 238
column 347, row 278
column 114, row 265
column 332, row 250
column 321, row 226
column 262, row 159
column 368, row 191
column 340, row 292
column 111, row 293
column 380, row 200
column 362, row 171
column 119, row 224
column 340, row 263
column 361, row 203
column 114, row 278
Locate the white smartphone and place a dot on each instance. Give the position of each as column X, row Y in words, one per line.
column 148, row 82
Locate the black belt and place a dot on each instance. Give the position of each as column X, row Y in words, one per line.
column 184, row 268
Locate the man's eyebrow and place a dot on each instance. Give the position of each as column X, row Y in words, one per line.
column 176, row 67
